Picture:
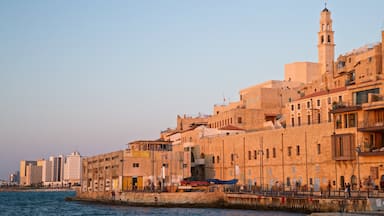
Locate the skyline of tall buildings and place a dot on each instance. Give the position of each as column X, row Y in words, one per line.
column 56, row 171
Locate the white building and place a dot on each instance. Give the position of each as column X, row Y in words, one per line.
column 72, row 168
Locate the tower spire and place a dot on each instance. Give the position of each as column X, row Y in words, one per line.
column 325, row 3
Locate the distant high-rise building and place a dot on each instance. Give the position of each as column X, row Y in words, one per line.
column 57, row 170
column 72, row 168
column 14, row 178
column 23, row 171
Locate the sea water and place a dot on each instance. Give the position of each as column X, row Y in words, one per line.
column 53, row 203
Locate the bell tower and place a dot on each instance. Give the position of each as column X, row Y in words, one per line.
column 326, row 43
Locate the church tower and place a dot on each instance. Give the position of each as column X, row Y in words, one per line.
column 326, row 43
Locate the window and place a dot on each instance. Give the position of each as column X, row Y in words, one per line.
column 318, row 118
column 343, row 147
column 299, row 120
column 232, row 157
column 318, row 149
column 308, row 104
column 322, row 38
column 274, row 152
column 165, row 165
column 135, row 165
column 309, row 119
column 255, row 154
column 340, row 98
column 298, row 150
column 298, row 106
column 213, row 159
column 288, row 181
column 329, row 100
column 329, row 38
column 289, row 150
column 292, row 107
column 239, row 120
column 318, row 103
column 267, row 153
column 218, row 159
column 293, row 122
column 362, row 96
column 249, row 155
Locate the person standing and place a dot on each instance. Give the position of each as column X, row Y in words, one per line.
column 349, row 190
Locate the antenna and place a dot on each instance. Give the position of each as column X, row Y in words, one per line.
column 325, row 3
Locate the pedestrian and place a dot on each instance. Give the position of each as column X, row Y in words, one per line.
column 349, row 190
column 329, row 188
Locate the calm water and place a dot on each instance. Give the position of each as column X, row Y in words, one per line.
column 52, row 203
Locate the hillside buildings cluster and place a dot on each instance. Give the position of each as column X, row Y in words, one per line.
column 55, row 172
column 322, row 126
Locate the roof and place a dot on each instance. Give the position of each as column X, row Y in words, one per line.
column 320, row 93
column 230, row 127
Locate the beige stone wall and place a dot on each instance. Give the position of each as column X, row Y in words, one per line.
column 267, row 169
column 304, row 72
column 102, row 172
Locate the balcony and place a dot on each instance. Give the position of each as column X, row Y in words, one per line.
column 371, row 126
column 341, row 107
column 372, row 153
column 374, row 102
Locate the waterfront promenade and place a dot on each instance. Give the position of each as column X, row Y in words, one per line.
column 297, row 201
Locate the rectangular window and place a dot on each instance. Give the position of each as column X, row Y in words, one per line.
column 318, row 103
column 239, row 120
column 298, row 150
column 352, row 120
column 318, row 118
column 292, row 107
column 289, row 150
column 267, row 153
column 318, row 148
column 255, row 154
column 274, row 153
column 249, row 155
column 293, row 122
column 343, row 147
column 309, row 119
column 298, row 106
column 299, row 120
column 308, row 104
column 136, row 165
column 213, row 159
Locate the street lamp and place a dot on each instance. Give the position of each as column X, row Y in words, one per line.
column 358, row 150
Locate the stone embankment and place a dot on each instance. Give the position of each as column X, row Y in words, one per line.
column 234, row 200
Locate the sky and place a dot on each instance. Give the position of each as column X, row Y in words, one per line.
column 93, row 75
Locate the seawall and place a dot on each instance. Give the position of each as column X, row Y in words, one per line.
column 234, row 200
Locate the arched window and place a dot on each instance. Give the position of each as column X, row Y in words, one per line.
column 322, row 38
column 329, row 38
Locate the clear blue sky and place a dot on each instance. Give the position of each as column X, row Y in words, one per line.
column 93, row 75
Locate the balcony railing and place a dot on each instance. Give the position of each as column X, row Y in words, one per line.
column 339, row 107
column 371, row 126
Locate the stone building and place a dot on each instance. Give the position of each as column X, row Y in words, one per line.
column 323, row 124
